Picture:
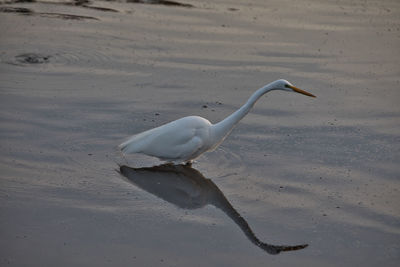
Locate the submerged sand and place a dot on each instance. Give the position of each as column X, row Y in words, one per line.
column 77, row 78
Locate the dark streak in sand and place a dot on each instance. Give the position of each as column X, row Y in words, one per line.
column 27, row 11
column 160, row 2
column 65, row 16
column 19, row 1
column 105, row 9
column 80, row 3
column 21, row 10
column 88, row 4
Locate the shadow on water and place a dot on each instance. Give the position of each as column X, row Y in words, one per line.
column 187, row 188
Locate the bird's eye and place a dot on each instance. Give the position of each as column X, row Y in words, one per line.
column 287, row 86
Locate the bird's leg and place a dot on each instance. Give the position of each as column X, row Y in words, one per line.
column 189, row 163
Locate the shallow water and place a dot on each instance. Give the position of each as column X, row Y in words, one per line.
column 76, row 79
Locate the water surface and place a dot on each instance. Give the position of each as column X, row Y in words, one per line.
column 76, row 78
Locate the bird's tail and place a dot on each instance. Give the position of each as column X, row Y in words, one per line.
column 137, row 142
column 132, row 145
column 123, row 146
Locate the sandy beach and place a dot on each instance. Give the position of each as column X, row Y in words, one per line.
column 78, row 77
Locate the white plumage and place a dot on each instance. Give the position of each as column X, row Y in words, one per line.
column 187, row 138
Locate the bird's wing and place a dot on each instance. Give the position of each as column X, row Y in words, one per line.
column 171, row 144
column 178, row 140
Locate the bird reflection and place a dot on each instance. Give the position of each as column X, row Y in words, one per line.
column 187, row 188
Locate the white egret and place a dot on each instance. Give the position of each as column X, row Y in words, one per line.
column 183, row 140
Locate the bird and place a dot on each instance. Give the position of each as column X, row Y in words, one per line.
column 185, row 139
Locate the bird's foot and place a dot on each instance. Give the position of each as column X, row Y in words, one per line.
column 189, row 163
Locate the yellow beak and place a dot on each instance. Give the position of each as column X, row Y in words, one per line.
column 297, row 90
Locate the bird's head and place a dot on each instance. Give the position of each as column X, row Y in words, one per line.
column 287, row 86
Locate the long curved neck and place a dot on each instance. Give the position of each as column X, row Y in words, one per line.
column 224, row 127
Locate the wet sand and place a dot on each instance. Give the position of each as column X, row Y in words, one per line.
column 77, row 78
